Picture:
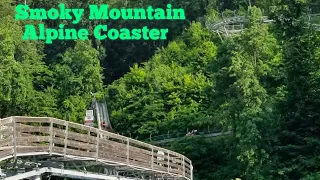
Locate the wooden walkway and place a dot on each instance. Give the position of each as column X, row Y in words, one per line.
column 37, row 136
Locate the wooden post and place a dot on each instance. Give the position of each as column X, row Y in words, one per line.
column 1, row 136
column 14, row 137
column 97, row 148
column 66, row 139
column 184, row 167
column 128, row 150
column 88, row 141
column 191, row 171
column 168, row 162
column 51, row 136
column 152, row 158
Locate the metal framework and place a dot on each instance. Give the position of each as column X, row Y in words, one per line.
column 101, row 113
column 36, row 173
column 31, row 146
column 233, row 25
column 165, row 140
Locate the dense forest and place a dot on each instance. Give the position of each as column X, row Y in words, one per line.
column 262, row 85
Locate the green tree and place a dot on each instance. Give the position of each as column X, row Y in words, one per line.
column 299, row 110
column 194, row 49
column 242, row 99
column 21, row 69
column 77, row 76
column 157, row 98
column 169, row 92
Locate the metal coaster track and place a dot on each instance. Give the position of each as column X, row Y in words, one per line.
column 165, row 140
column 232, row 25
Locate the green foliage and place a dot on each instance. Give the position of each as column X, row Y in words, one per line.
column 313, row 176
column 167, row 93
column 263, row 84
column 243, row 99
column 78, row 75
column 193, row 50
column 156, row 98
column 29, row 87
column 20, row 70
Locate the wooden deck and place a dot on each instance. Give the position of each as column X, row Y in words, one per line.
column 31, row 136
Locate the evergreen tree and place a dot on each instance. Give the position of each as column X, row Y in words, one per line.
column 241, row 96
column 21, row 70
column 298, row 140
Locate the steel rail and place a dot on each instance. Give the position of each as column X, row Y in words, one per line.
column 226, row 25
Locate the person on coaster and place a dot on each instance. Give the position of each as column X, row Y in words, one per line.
column 105, row 127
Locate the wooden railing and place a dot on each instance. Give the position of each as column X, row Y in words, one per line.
column 28, row 136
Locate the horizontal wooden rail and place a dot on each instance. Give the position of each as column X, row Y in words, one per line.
column 27, row 136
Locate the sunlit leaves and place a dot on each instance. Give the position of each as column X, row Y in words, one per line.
column 242, row 103
column 79, row 75
column 20, row 69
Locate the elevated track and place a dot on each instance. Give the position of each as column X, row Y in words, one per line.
column 234, row 25
column 167, row 139
column 31, row 146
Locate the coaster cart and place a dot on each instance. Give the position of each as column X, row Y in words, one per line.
column 98, row 112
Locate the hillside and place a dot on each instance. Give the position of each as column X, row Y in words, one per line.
column 261, row 84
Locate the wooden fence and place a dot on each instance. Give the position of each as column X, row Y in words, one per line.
column 27, row 136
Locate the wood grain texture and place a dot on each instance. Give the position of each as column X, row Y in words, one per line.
column 44, row 134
